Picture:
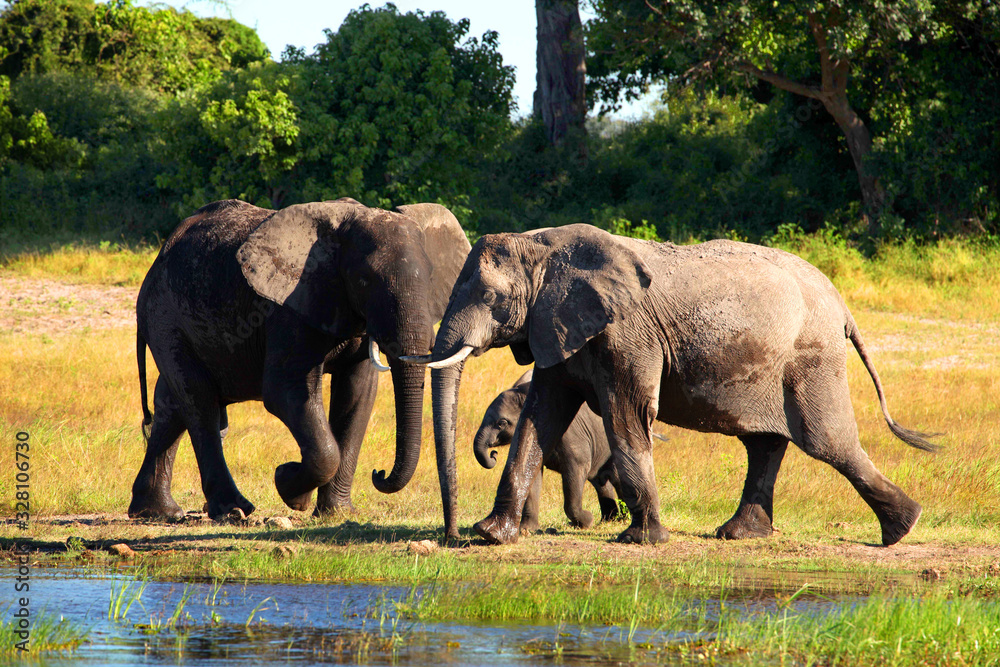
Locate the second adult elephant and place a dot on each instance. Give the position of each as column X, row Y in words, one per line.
column 245, row 303
column 580, row 454
column 720, row 337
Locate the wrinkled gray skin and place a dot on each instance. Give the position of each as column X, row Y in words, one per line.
column 580, row 455
column 244, row 303
column 720, row 337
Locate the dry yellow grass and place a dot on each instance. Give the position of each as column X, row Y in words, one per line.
column 77, row 395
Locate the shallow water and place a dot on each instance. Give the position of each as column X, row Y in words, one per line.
column 304, row 624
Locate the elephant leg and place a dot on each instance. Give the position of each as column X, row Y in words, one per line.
column 607, row 498
column 194, row 396
column 151, row 498
column 293, row 392
column 628, row 425
column 754, row 516
column 529, row 515
column 573, row 481
column 830, row 434
column 548, row 411
column 352, row 397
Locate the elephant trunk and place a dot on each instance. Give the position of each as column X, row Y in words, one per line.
column 482, row 447
column 408, row 390
column 444, row 391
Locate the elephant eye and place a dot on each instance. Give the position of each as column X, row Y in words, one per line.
column 489, row 297
column 503, row 423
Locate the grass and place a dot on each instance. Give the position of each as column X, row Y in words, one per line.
column 97, row 262
column 48, row 634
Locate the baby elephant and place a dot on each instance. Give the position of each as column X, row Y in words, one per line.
column 581, row 454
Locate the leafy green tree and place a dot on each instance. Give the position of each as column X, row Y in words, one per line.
column 816, row 50
column 398, row 108
column 156, row 47
column 235, row 139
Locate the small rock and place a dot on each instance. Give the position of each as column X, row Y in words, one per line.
column 280, row 522
column 931, row 574
column 122, row 550
column 423, row 547
column 284, row 551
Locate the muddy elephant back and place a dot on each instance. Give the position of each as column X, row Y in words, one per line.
column 446, row 246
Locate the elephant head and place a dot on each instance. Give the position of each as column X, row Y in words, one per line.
column 544, row 294
column 497, row 427
column 352, row 271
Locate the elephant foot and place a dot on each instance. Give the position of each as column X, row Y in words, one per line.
column 334, row 509
column 749, row 521
column 497, row 530
column 610, row 511
column 583, row 519
column 529, row 526
column 651, row 533
column 225, row 509
column 895, row 530
column 288, row 482
column 163, row 507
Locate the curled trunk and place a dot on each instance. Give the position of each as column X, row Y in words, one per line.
column 482, row 449
column 408, row 390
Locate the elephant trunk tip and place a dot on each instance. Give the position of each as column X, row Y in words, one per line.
column 388, row 483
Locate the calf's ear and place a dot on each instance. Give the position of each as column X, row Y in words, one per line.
column 590, row 281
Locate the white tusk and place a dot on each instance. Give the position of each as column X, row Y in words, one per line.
column 373, row 355
column 425, row 359
column 453, row 359
column 417, row 358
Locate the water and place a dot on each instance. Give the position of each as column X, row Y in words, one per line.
column 304, row 624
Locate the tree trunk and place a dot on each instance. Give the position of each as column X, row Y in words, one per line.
column 832, row 92
column 859, row 143
column 560, row 92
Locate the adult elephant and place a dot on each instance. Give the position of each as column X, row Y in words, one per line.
column 720, row 337
column 245, row 303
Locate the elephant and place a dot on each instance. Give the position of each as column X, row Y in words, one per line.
column 580, row 454
column 719, row 337
column 246, row 303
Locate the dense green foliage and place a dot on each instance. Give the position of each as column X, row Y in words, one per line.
column 117, row 119
column 104, row 129
column 918, row 74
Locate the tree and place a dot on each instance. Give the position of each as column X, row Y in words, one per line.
column 393, row 108
column 397, row 108
column 812, row 49
column 560, row 87
column 160, row 47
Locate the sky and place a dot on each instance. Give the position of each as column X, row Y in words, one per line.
column 301, row 23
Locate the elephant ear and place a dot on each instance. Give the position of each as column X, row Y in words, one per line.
column 446, row 246
column 293, row 259
column 590, row 280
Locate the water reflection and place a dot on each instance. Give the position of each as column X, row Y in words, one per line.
column 303, row 624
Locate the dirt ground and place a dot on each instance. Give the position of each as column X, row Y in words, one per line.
column 39, row 306
column 778, row 562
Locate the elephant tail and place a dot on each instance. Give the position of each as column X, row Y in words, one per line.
column 910, row 437
column 140, row 357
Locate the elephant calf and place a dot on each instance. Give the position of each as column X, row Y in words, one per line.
column 581, row 454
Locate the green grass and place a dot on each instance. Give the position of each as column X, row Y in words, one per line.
column 48, row 634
